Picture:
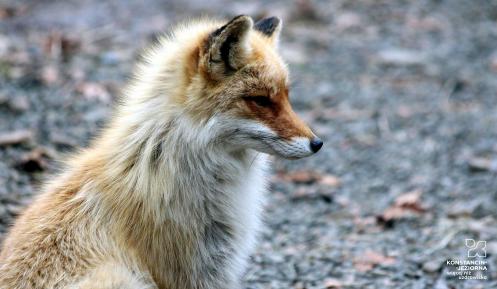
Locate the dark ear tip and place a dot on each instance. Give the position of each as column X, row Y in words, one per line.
column 268, row 25
column 274, row 20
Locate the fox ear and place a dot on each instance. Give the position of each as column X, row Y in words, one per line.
column 270, row 27
column 228, row 47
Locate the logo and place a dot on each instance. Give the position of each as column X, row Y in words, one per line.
column 476, row 248
column 474, row 267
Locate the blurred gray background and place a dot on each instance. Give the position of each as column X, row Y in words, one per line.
column 404, row 94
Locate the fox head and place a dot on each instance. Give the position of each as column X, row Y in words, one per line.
column 236, row 77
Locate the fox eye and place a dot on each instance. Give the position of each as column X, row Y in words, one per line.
column 262, row 101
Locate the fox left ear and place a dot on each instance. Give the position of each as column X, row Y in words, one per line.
column 271, row 27
column 227, row 47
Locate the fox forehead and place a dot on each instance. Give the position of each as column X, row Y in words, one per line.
column 261, row 79
column 265, row 71
column 265, row 55
column 265, row 74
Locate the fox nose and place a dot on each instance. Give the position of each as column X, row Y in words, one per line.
column 316, row 144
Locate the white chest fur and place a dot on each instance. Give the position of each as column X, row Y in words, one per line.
column 220, row 199
column 245, row 211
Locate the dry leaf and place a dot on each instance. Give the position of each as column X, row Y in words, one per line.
column 15, row 137
column 300, row 177
column 310, row 177
column 35, row 160
column 329, row 180
column 50, row 75
column 9, row 12
column 480, row 164
column 94, row 91
column 404, row 205
column 58, row 45
column 370, row 259
column 392, row 213
column 332, row 284
column 410, row 201
column 303, row 192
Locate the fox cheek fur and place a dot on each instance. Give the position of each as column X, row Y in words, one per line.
column 170, row 194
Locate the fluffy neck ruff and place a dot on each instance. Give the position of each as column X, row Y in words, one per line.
column 171, row 187
column 155, row 156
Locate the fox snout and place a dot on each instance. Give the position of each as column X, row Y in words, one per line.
column 296, row 148
column 294, row 139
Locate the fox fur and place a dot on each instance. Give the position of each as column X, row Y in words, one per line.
column 169, row 194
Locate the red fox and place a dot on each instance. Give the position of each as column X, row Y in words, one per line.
column 169, row 195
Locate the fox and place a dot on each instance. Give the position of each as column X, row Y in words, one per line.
column 170, row 193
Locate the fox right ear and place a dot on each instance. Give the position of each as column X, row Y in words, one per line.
column 227, row 48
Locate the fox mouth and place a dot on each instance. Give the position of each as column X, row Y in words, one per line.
column 263, row 139
column 294, row 148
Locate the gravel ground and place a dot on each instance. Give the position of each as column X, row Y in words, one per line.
column 404, row 94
